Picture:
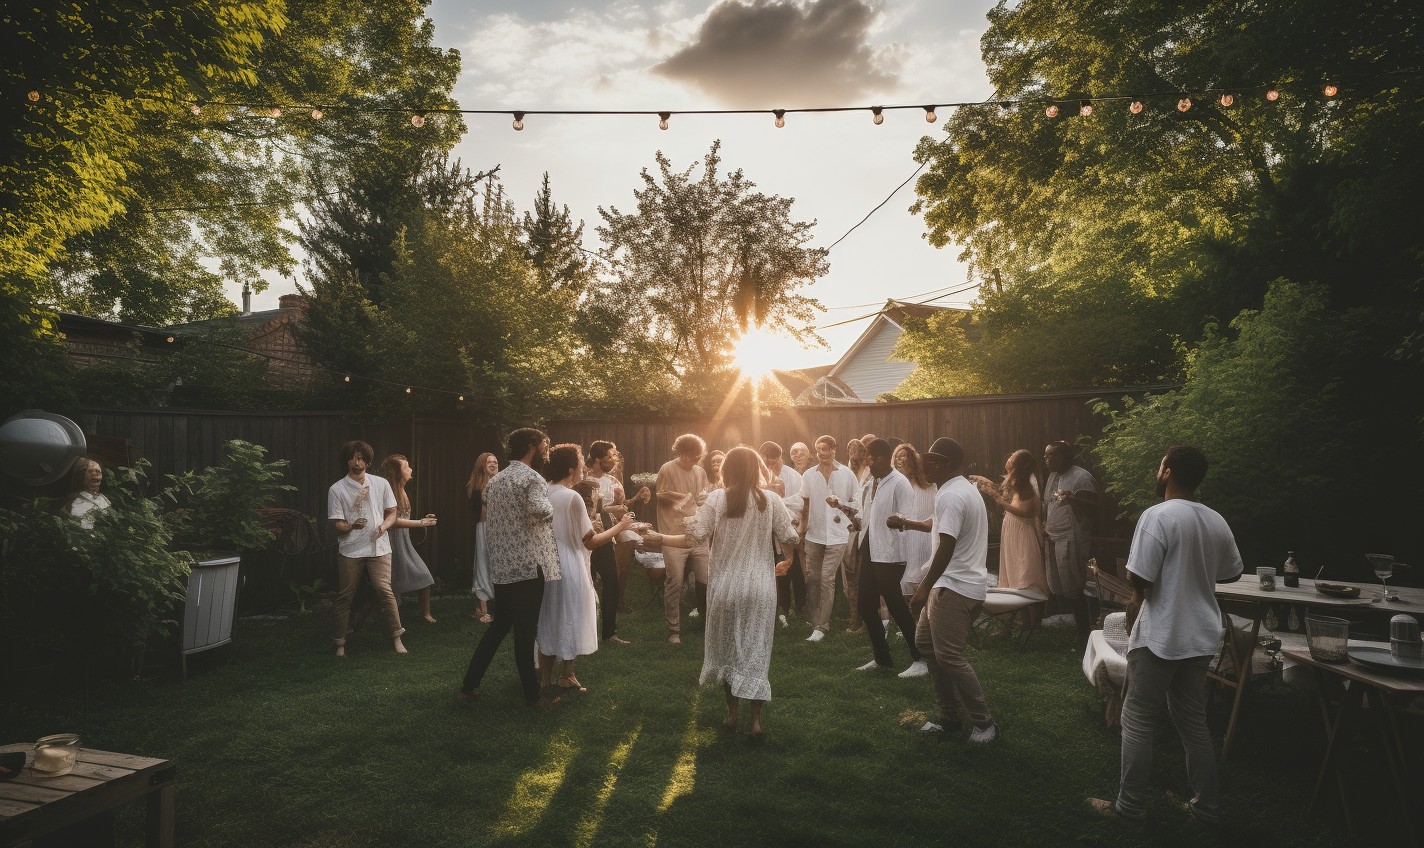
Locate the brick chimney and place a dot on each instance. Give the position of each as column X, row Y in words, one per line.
column 293, row 301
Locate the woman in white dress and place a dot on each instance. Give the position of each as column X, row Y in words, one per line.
column 485, row 467
column 741, row 519
column 568, row 616
column 917, row 547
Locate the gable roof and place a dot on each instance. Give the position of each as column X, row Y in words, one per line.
column 893, row 313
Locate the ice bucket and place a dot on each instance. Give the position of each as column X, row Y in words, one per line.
column 1328, row 638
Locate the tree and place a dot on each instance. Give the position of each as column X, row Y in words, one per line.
column 1114, row 239
column 554, row 244
column 701, row 259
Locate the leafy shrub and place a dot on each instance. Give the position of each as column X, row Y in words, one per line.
column 219, row 508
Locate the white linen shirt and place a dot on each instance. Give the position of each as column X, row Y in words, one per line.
column 959, row 512
column 891, row 494
column 341, row 505
column 792, row 481
column 821, row 524
column 1183, row 548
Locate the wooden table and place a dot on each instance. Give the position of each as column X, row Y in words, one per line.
column 32, row 806
column 1366, row 684
column 1246, row 598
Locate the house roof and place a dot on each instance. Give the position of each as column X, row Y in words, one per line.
column 894, row 312
column 252, row 322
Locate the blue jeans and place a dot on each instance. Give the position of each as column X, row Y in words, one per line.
column 1180, row 686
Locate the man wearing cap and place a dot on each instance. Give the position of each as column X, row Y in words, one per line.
column 953, row 591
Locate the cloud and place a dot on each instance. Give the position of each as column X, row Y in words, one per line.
column 781, row 53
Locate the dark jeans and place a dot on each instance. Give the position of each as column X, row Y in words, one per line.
column 605, row 565
column 791, row 586
column 882, row 580
column 1178, row 687
column 515, row 607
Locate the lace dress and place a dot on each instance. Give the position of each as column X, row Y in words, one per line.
column 408, row 570
column 568, row 616
column 741, row 590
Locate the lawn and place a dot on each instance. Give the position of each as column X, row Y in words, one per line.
column 283, row 745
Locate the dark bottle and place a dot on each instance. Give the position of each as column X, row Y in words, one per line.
column 1291, row 571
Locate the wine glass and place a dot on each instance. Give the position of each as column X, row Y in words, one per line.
column 1383, row 564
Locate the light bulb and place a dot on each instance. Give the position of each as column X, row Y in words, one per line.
column 462, row 397
column 930, row 116
column 1331, row 91
column 34, row 96
column 1136, row 107
column 1051, row 111
column 407, row 389
column 417, row 120
column 876, row 116
column 1273, row 95
column 519, row 120
column 276, row 113
column 347, row 378
column 1227, row 100
column 663, row 120
column 1184, row 104
column 317, row 114
column 170, row 340
column 780, row 117
column 1085, row 109
column 195, row 108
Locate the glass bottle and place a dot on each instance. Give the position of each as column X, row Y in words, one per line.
column 1291, row 571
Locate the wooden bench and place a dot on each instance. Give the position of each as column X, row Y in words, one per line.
column 33, row 806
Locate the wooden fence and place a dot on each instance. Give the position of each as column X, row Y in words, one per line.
column 441, row 452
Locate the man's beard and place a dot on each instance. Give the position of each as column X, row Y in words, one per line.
column 1161, row 486
column 538, row 461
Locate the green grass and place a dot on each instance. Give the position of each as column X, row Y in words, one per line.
column 284, row 745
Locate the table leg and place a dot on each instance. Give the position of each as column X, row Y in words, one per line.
column 1349, row 706
column 1389, row 736
column 160, row 818
column 1243, row 674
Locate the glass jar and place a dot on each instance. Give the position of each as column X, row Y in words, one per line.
column 56, row 755
column 1267, row 576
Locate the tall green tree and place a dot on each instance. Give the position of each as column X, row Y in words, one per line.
column 1107, row 242
column 701, row 259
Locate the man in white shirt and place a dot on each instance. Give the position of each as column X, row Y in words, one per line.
column 790, row 577
column 362, row 508
column 882, row 563
column 1180, row 550
column 682, row 486
column 828, row 491
column 952, row 594
column 1070, row 498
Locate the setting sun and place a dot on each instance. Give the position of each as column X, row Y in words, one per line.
column 758, row 352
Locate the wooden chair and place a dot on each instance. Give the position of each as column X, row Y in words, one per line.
column 1112, row 591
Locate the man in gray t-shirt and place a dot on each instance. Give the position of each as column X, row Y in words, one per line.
column 1070, row 497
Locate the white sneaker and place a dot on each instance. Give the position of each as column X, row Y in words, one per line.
column 916, row 669
column 931, row 727
column 885, row 625
column 816, row 636
column 693, row 614
column 988, row 734
column 868, row 666
column 782, row 619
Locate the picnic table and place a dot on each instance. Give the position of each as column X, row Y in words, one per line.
column 32, row 806
column 1246, row 598
column 1376, row 687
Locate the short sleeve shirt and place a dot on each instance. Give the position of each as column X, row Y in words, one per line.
column 959, row 512
column 672, row 478
column 350, row 501
column 1061, row 521
column 1183, row 548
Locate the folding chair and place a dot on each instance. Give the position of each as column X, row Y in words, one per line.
column 1004, row 605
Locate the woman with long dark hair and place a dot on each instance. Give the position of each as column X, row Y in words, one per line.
column 741, row 520
column 485, row 467
column 1021, row 537
column 408, row 570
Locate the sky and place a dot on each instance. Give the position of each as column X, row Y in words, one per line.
column 754, row 54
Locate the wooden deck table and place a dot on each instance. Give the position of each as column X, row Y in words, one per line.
column 32, row 806
column 1246, row 598
column 1373, row 685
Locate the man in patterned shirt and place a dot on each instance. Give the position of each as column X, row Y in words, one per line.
column 519, row 533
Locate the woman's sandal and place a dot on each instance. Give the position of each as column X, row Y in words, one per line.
column 486, row 618
column 574, row 685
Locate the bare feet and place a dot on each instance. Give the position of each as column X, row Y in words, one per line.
column 619, row 641
column 485, row 618
column 730, row 720
column 675, row 639
column 429, row 618
column 756, row 729
column 341, row 650
column 400, row 649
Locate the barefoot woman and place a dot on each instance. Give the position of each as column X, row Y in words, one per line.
column 740, row 519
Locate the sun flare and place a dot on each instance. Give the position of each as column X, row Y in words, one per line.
column 757, row 352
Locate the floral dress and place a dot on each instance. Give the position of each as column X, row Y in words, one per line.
column 741, row 590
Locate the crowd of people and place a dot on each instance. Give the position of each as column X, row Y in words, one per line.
column 760, row 538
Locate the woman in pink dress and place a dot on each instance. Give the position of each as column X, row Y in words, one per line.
column 1021, row 537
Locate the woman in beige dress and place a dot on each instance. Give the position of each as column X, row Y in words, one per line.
column 1021, row 538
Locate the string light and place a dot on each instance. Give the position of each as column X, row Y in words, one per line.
column 1051, row 111
column 1184, row 104
column 1085, row 108
column 876, row 117
column 518, row 121
column 1136, row 107
column 170, row 340
column 195, row 108
column 663, row 120
column 1273, row 95
column 317, row 114
column 34, row 96
column 1331, row 91
column 1227, row 100
column 417, row 120
column 930, row 116
column 407, row 389
column 780, row 117
column 276, row 113
column 462, row 397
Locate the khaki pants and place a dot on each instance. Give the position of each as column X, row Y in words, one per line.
column 349, row 576
column 822, row 563
column 676, row 560
column 940, row 634
column 850, row 578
